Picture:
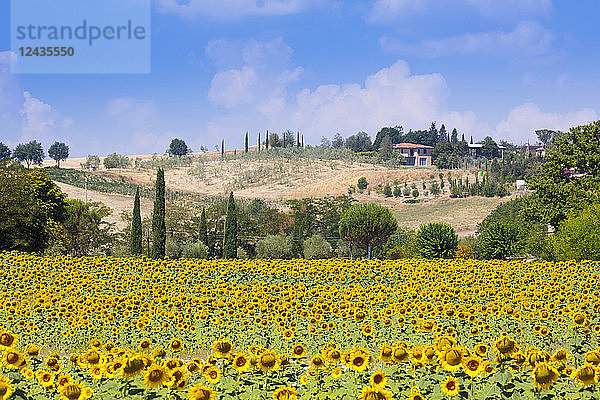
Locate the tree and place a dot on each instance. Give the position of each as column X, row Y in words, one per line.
column 387, row 191
column 443, row 134
column 367, row 225
column 4, row 152
column 578, row 237
column 500, row 240
column 32, row 208
column 222, row 148
column 359, row 142
column 135, row 239
column 84, row 226
column 338, row 141
column 386, row 148
column 230, row 230
column 362, row 183
column 275, row 246
column 178, row 148
column 454, row 136
column 325, row 142
column 288, row 138
column 258, row 141
column 203, row 230
column 490, row 148
column 92, row 162
column 58, row 151
column 298, row 139
column 434, row 134
column 159, row 232
column 569, row 178
column 395, row 134
column 545, row 136
column 30, row 153
column 246, row 143
column 274, row 140
column 316, row 247
column 436, row 240
column 116, row 161
column 267, row 141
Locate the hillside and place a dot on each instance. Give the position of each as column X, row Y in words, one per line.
column 276, row 177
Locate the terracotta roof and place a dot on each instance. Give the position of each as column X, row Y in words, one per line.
column 412, row 146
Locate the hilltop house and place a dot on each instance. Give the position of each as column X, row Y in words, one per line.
column 415, row 154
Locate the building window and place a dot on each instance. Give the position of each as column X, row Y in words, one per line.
column 423, row 161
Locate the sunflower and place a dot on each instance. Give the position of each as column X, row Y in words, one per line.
column 241, row 363
column 417, row 355
column 452, row 359
column 92, row 357
column 586, row 375
column 12, row 359
column 288, row 334
column 212, row 374
column 443, row 343
column 145, row 345
column 378, row 379
column 53, row 364
column 222, row 348
column 27, row 373
column 481, row 350
column 560, row 356
column 176, row 345
column 473, row 366
column 6, row 388
column 32, row 350
column 333, row 355
column 45, row 378
column 592, row 357
column 200, row 392
column 505, row 347
column 386, row 353
column 7, row 340
column 155, row 376
column 96, row 372
column 359, row 361
column 267, row 361
column 450, row 386
column 75, row 391
column 579, row 319
column 158, row 352
column 132, row 367
column 336, row 372
column 285, row 393
column 367, row 330
column 415, row 394
column 399, row 354
column 374, row 393
column 544, row 376
column 317, row 362
column 298, row 351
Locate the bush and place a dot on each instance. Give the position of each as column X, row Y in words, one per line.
column 387, row 191
column 500, row 240
column 397, row 191
column 316, row 247
column 194, row 250
column 401, row 244
column 464, row 252
column 115, row 161
column 172, row 248
column 436, row 240
column 362, row 183
column 275, row 246
column 343, row 250
column 578, row 237
column 242, row 254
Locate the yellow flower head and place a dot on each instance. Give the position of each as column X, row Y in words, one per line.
column 450, row 386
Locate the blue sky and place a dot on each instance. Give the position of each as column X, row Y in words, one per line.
column 224, row 67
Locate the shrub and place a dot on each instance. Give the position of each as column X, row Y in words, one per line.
column 275, row 246
column 115, row 161
column 464, row 252
column 578, row 237
column 397, row 191
column 401, row 244
column 387, row 191
column 194, row 250
column 172, row 248
column 242, row 254
column 316, row 247
column 362, row 183
column 436, row 240
column 500, row 240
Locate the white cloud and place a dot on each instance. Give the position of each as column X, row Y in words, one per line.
column 262, row 80
column 391, row 10
column 522, row 121
column 528, row 38
column 234, row 9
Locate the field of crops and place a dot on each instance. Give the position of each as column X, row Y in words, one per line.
column 104, row 328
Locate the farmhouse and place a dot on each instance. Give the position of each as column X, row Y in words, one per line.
column 415, row 154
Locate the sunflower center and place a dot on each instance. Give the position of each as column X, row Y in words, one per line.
column 268, row 360
column 358, row 361
column 240, row 361
column 587, row 373
column 451, row 385
column 155, row 375
column 6, row 339
column 473, row 365
column 72, row 392
column 3, row 388
column 224, row 347
column 377, row 379
column 12, row 358
column 543, row 374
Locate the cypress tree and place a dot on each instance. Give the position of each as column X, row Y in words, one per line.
column 159, row 231
column 230, row 230
column 203, row 229
column 302, row 141
column 222, row 147
column 298, row 139
column 246, row 143
column 258, row 141
column 267, row 141
column 135, row 240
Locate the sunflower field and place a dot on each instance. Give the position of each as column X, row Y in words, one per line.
column 136, row 328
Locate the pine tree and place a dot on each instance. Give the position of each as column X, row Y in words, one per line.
column 203, row 228
column 135, row 240
column 230, row 230
column 454, row 137
column 159, row 232
column 246, row 143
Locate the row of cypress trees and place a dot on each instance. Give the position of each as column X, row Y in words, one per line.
column 159, row 231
